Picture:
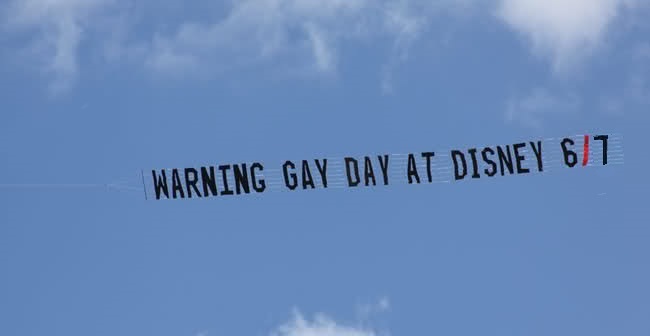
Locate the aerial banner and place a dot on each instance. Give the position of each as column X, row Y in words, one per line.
column 455, row 165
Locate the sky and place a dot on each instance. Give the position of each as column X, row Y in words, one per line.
column 96, row 92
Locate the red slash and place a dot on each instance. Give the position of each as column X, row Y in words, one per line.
column 585, row 155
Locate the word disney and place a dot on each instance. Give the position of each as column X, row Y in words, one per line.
column 386, row 169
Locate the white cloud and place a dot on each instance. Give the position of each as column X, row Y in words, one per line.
column 320, row 326
column 563, row 30
column 302, row 33
column 301, row 36
column 633, row 93
column 406, row 26
column 384, row 304
column 255, row 31
column 305, row 33
column 365, row 310
column 323, row 53
column 530, row 109
column 58, row 29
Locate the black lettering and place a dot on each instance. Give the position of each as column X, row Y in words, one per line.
column 472, row 152
column 306, row 176
column 351, row 183
column 428, row 156
column 190, row 183
column 538, row 155
column 505, row 161
column 603, row 138
column 454, row 154
column 294, row 184
column 224, row 177
column 570, row 157
column 413, row 170
column 209, row 182
column 177, row 186
column 160, row 183
column 368, row 172
column 241, row 179
column 520, row 158
column 261, row 186
column 323, row 171
column 383, row 164
column 491, row 163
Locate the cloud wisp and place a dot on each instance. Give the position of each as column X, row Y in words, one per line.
column 531, row 109
column 294, row 36
column 321, row 325
column 565, row 32
column 302, row 36
column 306, row 35
column 56, row 29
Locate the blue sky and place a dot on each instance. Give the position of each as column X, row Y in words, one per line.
column 93, row 92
